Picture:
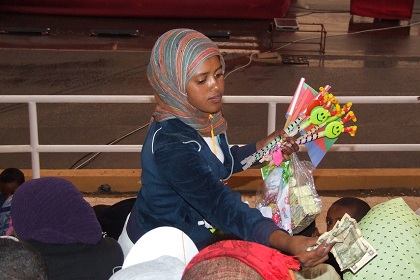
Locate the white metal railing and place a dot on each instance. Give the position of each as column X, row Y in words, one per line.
column 35, row 148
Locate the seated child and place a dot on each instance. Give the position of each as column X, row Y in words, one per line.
column 393, row 229
column 10, row 180
column 355, row 208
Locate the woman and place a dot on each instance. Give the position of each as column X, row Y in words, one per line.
column 53, row 217
column 186, row 158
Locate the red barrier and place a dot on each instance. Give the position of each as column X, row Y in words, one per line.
column 382, row 9
column 235, row 9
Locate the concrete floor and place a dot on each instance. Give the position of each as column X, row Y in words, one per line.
column 362, row 57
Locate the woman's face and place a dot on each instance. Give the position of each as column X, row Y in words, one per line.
column 206, row 87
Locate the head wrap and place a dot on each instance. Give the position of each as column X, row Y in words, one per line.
column 174, row 60
column 161, row 253
column 254, row 259
column 52, row 210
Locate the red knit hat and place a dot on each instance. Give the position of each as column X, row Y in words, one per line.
column 237, row 259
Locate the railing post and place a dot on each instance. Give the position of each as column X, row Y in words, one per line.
column 33, row 131
column 271, row 122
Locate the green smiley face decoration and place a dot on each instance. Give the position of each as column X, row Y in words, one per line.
column 319, row 115
column 333, row 129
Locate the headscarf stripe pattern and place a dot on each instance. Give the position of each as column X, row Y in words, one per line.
column 174, row 60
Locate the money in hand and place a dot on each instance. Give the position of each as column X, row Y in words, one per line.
column 351, row 249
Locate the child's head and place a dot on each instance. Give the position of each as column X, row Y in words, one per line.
column 10, row 180
column 353, row 206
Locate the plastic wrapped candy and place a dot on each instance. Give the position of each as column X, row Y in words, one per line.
column 290, row 197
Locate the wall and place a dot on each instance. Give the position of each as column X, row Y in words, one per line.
column 249, row 181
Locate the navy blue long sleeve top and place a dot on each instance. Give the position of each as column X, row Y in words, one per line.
column 184, row 186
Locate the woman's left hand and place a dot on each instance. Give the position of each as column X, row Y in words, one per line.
column 289, row 148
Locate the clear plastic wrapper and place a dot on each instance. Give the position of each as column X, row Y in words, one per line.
column 289, row 196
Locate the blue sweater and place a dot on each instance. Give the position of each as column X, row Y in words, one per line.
column 184, row 186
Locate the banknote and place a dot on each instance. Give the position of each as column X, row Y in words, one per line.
column 351, row 250
column 370, row 254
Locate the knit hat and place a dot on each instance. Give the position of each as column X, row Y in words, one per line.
column 52, row 210
column 237, row 259
column 174, row 60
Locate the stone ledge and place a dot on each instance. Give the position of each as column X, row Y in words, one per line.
column 128, row 180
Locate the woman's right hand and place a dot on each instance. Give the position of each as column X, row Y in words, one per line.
column 298, row 246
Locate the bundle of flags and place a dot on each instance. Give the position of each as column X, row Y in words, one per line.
column 317, row 117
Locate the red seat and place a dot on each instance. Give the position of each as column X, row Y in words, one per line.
column 244, row 9
column 383, row 9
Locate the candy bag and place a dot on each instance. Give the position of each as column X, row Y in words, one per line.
column 289, row 195
column 305, row 203
column 275, row 203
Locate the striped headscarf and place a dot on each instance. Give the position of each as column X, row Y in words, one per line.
column 174, row 60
